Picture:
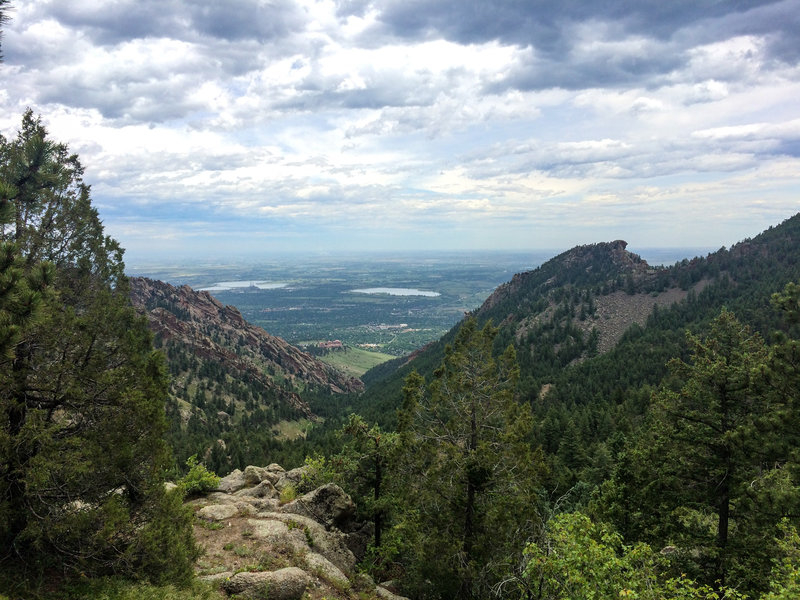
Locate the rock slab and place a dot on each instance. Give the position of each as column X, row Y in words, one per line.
column 284, row 584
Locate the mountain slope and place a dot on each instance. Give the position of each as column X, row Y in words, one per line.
column 220, row 333
column 597, row 322
column 229, row 375
column 600, row 287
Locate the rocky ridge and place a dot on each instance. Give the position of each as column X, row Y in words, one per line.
column 218, row 334
column 262, row 540
column 592, row 264
column 623, row 288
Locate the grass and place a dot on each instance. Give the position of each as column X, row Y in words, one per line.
column 211, row 525
column 291, row 430
column 355, row 361
column 112, row 588
column 288, row 494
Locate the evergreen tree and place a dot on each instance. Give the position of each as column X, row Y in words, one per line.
column 82, row 393
column 365, row 461
column 718, row 435
column 470, row 474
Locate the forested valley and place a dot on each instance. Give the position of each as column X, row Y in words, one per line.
column 599, row 428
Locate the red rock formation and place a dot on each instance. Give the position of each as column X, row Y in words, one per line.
column 214, row 332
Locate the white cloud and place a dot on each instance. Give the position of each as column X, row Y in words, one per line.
column 753, row 131
column 312, row 114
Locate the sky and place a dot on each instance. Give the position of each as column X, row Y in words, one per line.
column 213, row 128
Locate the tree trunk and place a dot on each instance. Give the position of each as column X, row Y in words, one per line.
column 465, row 590
column 723, row 524
column 378, row 518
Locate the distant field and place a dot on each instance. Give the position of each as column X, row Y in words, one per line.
column 355, row 361
column 316, row 298
column 291, row 430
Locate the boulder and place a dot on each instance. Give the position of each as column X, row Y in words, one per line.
column 331, row 544
column 358, row 538
column 259, row 504
column 329, row 505
column 278, row 534
column 322, row 567
column 246, row 509
column 284, row 584
column 263, row 489
column 218, row 512
column 266, row 504
column 216, row 498
column 232, row 482
column 385, row 594
column 293, row 477
column 273, row 473
column 254, row 475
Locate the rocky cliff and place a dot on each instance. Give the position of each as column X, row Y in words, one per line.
column 229, row 378
column 219, row 333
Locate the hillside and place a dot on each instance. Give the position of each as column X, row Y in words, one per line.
column 599, row 287
column 598, row 322
column 228, row 374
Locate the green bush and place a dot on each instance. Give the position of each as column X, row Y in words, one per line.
column 199, row 479
column 118, row 589
column 288, row 494
column 168, row 526
column 318, row 471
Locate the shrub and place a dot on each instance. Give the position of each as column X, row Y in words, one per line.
column 288, row 494
column 199, row 479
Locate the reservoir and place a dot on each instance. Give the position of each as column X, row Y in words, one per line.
column 396, row 292
column 224, row 286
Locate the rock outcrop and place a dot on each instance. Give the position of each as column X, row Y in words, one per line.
column 257, row 546
column 289, row 583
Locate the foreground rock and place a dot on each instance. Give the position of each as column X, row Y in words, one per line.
column 284, row 584
column 259, row 547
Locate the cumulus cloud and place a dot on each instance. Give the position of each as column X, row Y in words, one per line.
column 334, row 115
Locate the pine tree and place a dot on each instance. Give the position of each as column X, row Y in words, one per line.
column 718, row 437
column 365, row 460
column 470, row 473
column 82, row 393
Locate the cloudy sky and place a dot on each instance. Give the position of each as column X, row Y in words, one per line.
column 236, row 127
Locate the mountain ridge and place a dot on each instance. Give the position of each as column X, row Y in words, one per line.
column 234, row 388
column 201, row 305
column 585, row 302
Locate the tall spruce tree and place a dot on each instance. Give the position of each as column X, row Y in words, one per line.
column 718, row 433
column 81, row 391
column 470, row 472
column 365, row 460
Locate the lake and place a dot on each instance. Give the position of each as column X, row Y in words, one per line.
column 224, row 286
column 396, row 292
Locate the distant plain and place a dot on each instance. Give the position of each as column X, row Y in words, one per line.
column 307, row 300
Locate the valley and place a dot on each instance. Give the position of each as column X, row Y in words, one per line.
column 378, row 305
